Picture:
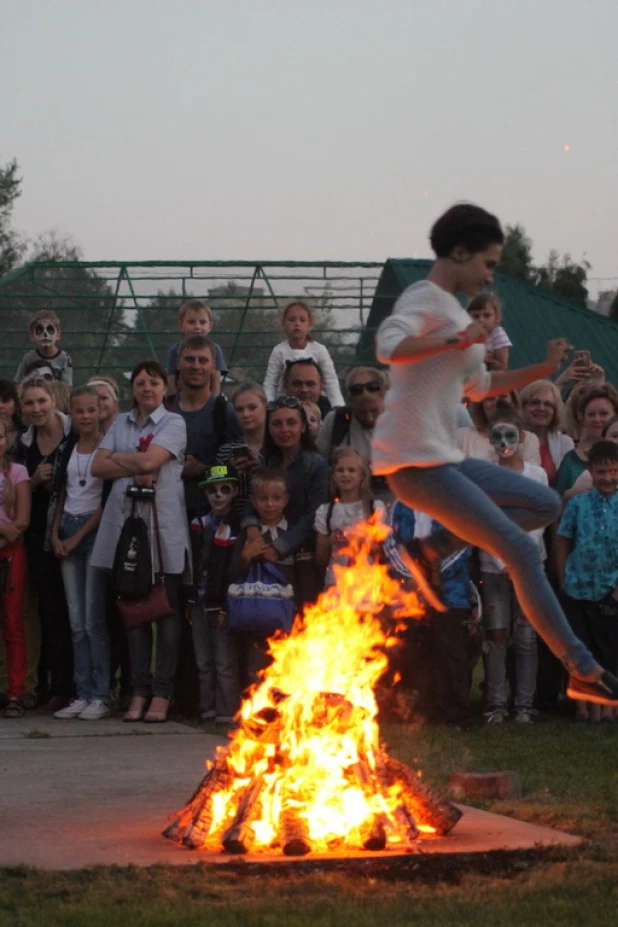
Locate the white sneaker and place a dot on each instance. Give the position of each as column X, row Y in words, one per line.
column 497, row 716
column 73, row 710
column 95, row 710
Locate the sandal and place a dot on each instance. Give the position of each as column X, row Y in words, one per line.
column 15, row 709
column 136, row 709
column 157, row 713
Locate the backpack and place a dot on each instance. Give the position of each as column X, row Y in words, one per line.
column 132, row 570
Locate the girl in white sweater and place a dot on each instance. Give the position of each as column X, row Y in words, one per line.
column 297, row 323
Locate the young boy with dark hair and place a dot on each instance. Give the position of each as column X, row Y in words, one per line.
column 44, row 330
column 587, row 553
column 213, row 537
column 195, row 318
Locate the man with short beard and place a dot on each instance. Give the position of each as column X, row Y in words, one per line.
column 303, row 379
column 210, row 420
column 353, row 424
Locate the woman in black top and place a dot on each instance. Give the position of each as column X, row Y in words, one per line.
column 41, row 449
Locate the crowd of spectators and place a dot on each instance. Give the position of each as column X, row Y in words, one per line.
column 258, row 492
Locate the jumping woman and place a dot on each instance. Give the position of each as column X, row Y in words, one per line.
column 436, row 357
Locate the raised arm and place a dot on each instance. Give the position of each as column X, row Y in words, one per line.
column 505, row 381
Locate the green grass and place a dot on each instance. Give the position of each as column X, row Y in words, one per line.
column 570, row 780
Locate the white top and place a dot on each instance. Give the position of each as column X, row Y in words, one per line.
column 474, row 444
column 491, row 564
column 419, row 423
column 86, row 499
column 497, row 338
column 344, row 515
column 273, row 381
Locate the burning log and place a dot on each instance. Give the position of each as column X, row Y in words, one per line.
column 373, row 833
column 217, row 777
column 294, row 832
column 239, row 836
column 264, row 726
column 428, row 808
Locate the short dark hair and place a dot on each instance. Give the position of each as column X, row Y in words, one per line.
column 196, row 343
column 307, row 361
column 603, row 452
column 505, row 412
column 467, row 225
column 152, row 367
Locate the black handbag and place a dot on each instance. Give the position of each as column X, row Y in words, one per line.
column 155, row 604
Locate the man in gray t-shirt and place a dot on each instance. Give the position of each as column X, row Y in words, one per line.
column 210, row 419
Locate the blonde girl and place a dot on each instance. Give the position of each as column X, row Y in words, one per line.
column 107, row 391
column 314, row 418
column 297, row 322
column 74, row 532
column 487, row 311
column 14, row 518
column 352, row 501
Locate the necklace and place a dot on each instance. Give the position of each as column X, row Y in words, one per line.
column 81, row 478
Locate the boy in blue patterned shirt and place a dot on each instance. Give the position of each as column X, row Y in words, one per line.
column 587, row 551
column 441, row 674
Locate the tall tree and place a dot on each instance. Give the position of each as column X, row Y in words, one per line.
column 565, row 277
column 11, row 245
column 516, row 257
column 613, row 309
column 53, row 279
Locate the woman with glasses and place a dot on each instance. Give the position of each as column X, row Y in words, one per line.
column 544, row 415
column 436, row 355
column 288, row 447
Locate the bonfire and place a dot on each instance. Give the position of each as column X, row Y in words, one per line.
column 304, row 770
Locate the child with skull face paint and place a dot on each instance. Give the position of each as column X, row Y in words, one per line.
column 44, row 330
column 212, row 541
column 504, row 619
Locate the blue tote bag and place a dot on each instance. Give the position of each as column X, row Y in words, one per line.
column 262, row 603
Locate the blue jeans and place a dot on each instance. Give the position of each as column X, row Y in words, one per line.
column 166, row 657
column 84, row 588
column 484, row 505
column 217, row 665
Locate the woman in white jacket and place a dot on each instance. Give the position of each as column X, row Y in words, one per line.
column 545, row 416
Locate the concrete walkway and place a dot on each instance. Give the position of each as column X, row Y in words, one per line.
column 84, row 793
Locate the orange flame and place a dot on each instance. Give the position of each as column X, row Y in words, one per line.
column 307, row 747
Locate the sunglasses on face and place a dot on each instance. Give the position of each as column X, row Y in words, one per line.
column 41, row 330
column 284, row 402
column 357, row 389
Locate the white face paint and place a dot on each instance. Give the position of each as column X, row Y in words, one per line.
column 45, row 334
column 504, row 437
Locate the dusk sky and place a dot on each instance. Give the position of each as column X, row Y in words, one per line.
column 241, row 129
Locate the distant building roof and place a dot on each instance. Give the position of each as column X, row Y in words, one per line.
column 531, row 317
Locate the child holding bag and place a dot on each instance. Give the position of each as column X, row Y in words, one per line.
column 261, row 597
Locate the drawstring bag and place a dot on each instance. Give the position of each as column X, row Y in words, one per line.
column 154, row 603
column 262, row 603
column 132, row 569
